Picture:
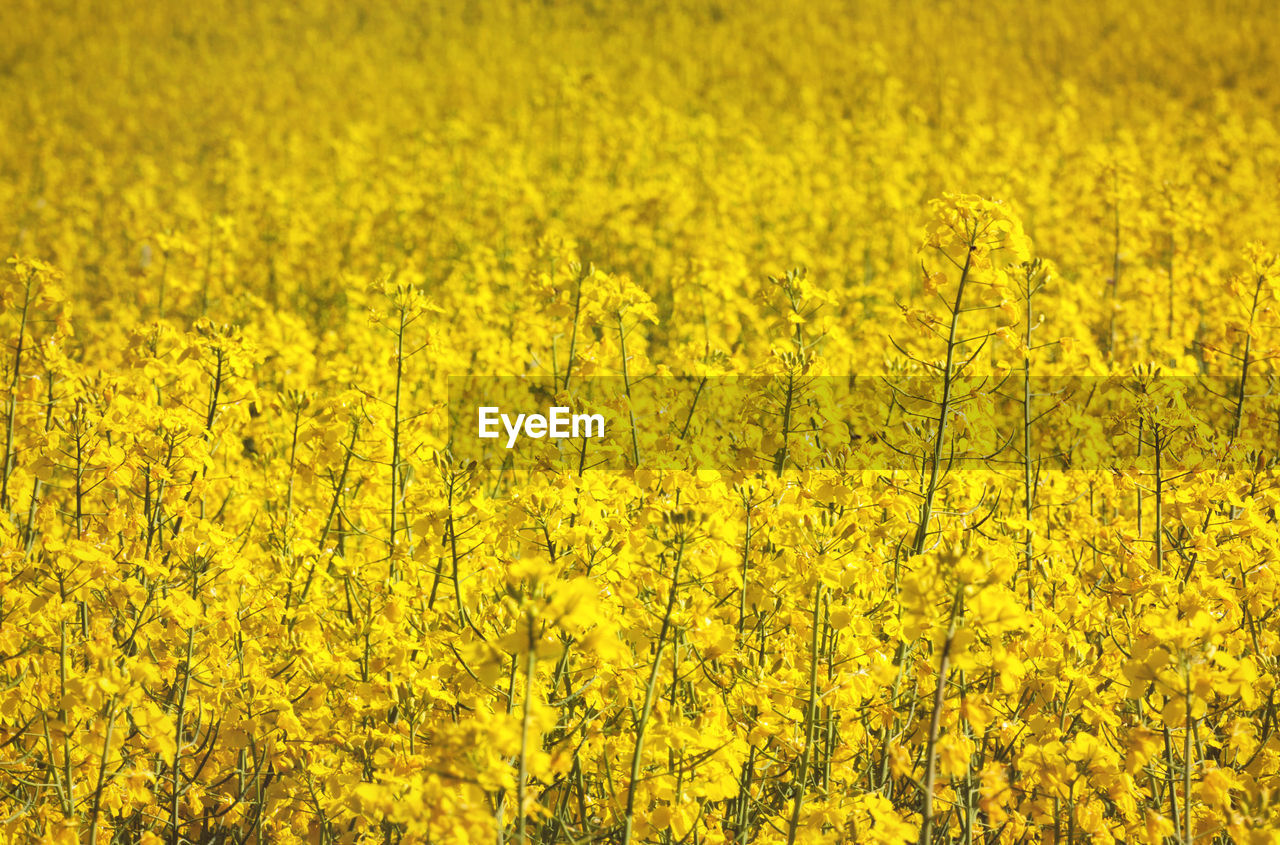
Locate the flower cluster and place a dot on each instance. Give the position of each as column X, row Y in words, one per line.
column 249, row 591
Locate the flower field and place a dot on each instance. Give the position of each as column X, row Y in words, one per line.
column 963, row 529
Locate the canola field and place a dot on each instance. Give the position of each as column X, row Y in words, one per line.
column 253, row 589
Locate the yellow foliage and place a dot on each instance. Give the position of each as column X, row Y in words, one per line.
column 253, row 590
